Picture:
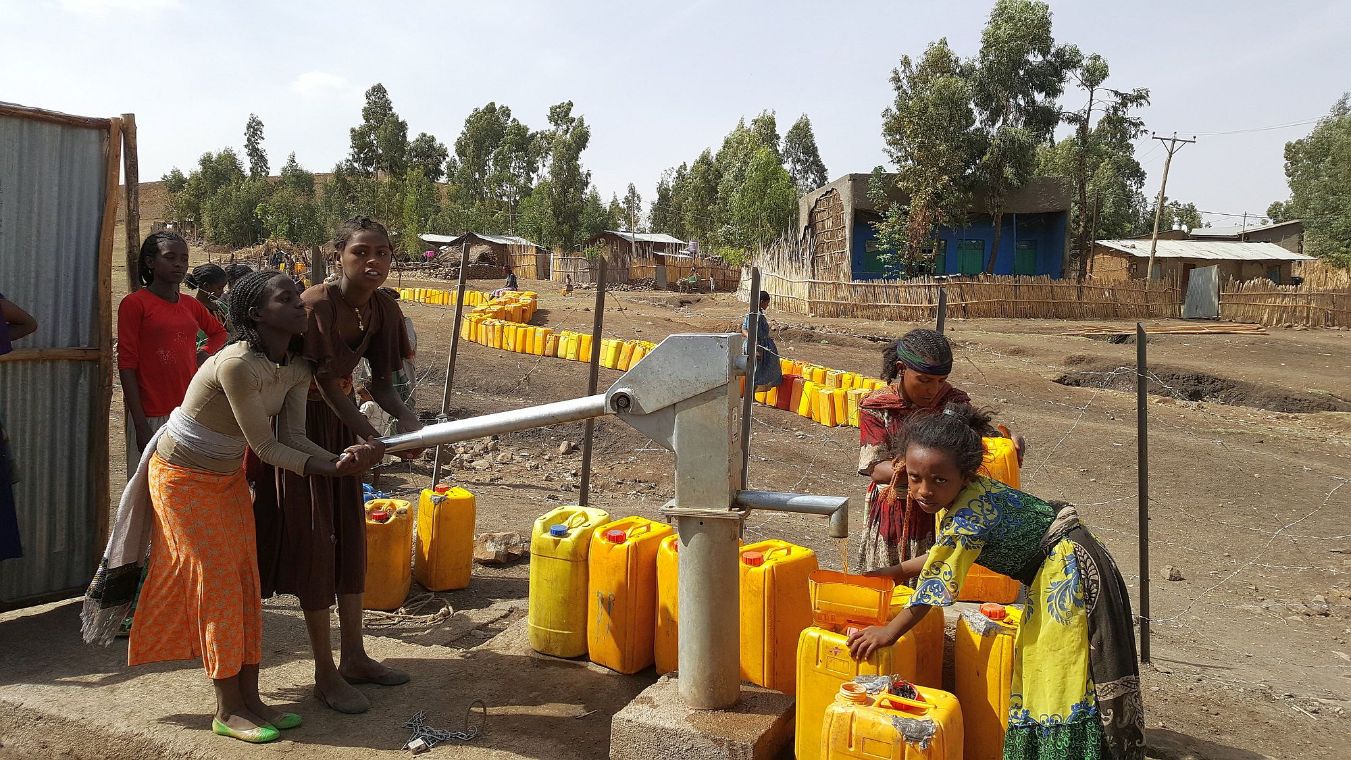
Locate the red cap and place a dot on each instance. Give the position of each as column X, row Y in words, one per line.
column 616, row 535
column 441, row 488
column 753, row 558
column 993, row 611
column 380, row 514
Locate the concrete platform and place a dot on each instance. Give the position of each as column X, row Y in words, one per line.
column 657, row 725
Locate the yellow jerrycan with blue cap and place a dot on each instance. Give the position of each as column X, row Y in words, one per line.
column 559, row 544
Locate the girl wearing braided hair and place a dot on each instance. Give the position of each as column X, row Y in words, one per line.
column 1076, row 685
column 189, row 501
column 312, row 530
column 209, row 280
column 916, row 369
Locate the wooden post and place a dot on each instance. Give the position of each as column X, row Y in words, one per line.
column 597, row 324
column 102, row 387
column 942, row 309
column 450, row 360
column 1172, row 147
column 132, row 172
column 1142, row 466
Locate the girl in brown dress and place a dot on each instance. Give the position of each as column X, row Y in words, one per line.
column 312, row 530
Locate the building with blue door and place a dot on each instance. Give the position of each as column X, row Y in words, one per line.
column 840, row 217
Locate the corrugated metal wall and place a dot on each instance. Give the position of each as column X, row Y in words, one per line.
column 52, row 179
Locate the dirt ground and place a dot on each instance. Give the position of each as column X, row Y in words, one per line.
column 1251, row 649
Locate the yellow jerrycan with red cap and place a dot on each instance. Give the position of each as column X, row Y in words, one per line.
column 982, row 668
column 776, row 607
column 389, row 541
column 841, row 604
column 622, row 593
column 890, row 720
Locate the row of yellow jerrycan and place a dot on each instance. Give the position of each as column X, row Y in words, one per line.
column 609, row 590
column 437, row 297
column 441, row 558
column 834, row 720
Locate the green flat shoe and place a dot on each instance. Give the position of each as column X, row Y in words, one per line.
column 288, row 721
column 260, row 735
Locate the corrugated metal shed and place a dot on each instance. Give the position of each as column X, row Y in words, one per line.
column 1205, row 249
column 647, row 237
column 1238, row 230
column 54, row 258
column 457, row 239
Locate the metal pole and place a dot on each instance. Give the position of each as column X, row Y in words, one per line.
column 1142, row 458
column 942, row 308
column 597, row 322
column 748, row 395
column 511, row 421
column 709, row 626
column 450, row 360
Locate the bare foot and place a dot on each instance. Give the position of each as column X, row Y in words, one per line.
column 363, row 669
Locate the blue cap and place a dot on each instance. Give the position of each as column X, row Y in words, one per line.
column 558, row 530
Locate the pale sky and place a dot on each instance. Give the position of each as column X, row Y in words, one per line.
column 657, row 82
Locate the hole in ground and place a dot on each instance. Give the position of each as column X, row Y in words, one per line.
column 1199, row 386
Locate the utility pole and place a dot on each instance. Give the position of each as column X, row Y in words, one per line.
column 1172, row 144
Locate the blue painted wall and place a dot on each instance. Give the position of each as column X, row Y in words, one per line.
column 1045, row 231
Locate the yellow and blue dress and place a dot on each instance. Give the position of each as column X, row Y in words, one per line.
column 1076, row 684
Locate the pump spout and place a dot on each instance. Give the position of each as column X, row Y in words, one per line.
column 834, row 507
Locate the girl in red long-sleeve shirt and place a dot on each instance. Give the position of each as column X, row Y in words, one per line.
column 157, row 340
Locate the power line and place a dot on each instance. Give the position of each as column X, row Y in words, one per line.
column 1259, row 129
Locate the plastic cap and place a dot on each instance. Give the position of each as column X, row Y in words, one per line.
column 753, row 558
column 441, row 488
column 558, row 530
column 616, row 536
column 380, row 514
column 993, row 611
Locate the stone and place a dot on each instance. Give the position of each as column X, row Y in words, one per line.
column 482, row 464
column 1172, row 573
column 657, row 724
column 1317, row 607
column 498, row 548
column 504, row 458
column 548, row 457
column 566, row 447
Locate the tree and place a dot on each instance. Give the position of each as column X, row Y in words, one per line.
column 296, row 179
column 428, row 155
column 380, row 142
column 633, row 209
column 1015, row 83
column 596, row 217
column 665, row 215
column 1318, row 170
column 765, row 205
column 537, row 216
column 214, row 171
column 1099, row 159
column 802, row 157
column 615, row 212
column 766, row 130
column 230, row 216
column 253, row 147
column 567, row 137
column 1281, row 211
column 287, row 215
column 929, row 134
column 699, row 200
column 420, row 209
column 1176, row 216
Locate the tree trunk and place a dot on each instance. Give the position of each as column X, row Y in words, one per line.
column 998, row 217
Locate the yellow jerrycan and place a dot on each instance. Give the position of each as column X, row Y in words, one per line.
column 842, row 603
column 666, row 635
column 389, row 543
column 444, row 552
column 983, row 584
column 559, row 545
column 622, row 593
column 890, row 720
column 776, row 607
column 982, row 665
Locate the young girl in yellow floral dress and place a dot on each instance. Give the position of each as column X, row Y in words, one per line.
column 1076, row 684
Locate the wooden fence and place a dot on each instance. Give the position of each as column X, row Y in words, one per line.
column 916, row 300
column 583, row 271
column 1266, row 303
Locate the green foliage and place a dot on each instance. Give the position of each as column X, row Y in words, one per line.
column 700, row 201
column 801, row 156
column 495, row 164
column 1281, row 211
column 733, row 256
column 596, row 217
column 230, row 216
column 380, row 142
column 593, row 253
column 420, row 210
column 428, row 156
column 569, row 204
column 1176, row 216
column 664, row 215
column 632, row 209
column 929, row 133
column 766, row 130
column 765, row 204
column 1318, row 170
column 536, row 220
column 253, row 147
column 288, row 215
column 296, row 179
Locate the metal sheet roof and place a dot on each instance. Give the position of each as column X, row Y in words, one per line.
column 456, row 240
column 51, row 207
column 647, row 237
column 1217, row 250
column 1238, row 229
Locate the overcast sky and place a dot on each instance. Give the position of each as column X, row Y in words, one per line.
column 657, row 82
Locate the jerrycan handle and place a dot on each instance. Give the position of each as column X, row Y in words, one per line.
column 578, row 519
column 640, row 528
column 893, row 702
column 769, row 553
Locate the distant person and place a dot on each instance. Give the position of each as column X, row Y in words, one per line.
column 201, row 597
column 209, row 280
column 768, row 373
column 15, row 324
column 567, row 285
column 511, row 282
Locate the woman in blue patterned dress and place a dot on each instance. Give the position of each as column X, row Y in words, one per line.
column 1076, row 684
